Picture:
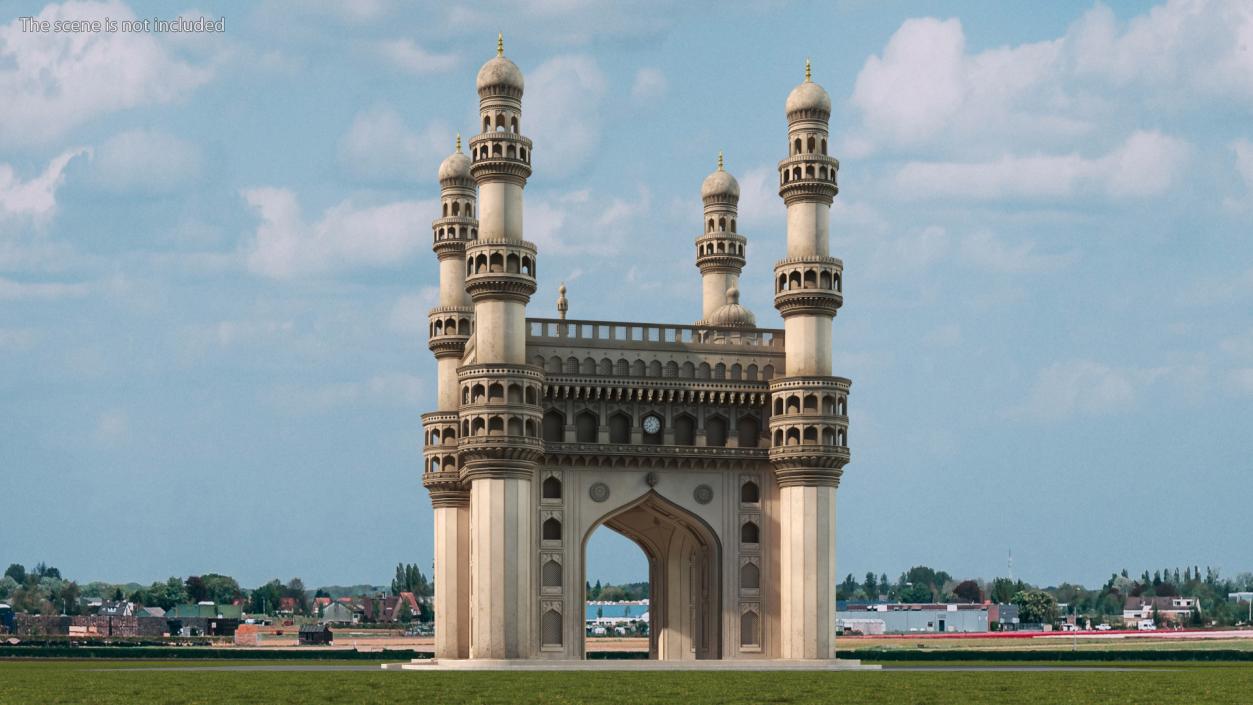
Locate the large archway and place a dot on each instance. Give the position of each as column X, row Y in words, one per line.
column 684, row 576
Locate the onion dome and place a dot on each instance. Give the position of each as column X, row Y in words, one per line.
column 732, row 314
column 808, row 97
column 456, row 166
column 720, row 183
column 500, row 75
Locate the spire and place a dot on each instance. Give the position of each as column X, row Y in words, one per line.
column 562, row 304
column 719, row 160
column 500, row 44
column 808, row 74
column 458, row 142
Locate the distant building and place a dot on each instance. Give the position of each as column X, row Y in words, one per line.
column 1173, row 610
column 341, row 613
column 149, row 611
column 314, row 634
column 1240, row 597
column 918, row 618
column 116, row 609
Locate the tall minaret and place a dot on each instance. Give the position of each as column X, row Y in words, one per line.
column 450, row 325
column 809, row 425
column 500, row 403
column 719, row 249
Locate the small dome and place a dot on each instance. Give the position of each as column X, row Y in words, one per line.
column 808, row 96
column 456, row 166
column 732, row 314
column 720, row 183
column 500, row 72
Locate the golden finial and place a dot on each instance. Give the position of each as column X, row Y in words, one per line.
column 808, row 75
column 500, row 44
column 719, row 160
column 458, row 141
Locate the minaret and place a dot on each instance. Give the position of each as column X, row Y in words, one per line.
column 809, row 423
column 500, row 409
column 450, row 326
column 719, row 249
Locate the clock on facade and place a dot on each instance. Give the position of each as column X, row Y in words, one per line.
column 652, row 424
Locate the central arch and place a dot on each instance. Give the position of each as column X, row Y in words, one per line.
column 684, row 576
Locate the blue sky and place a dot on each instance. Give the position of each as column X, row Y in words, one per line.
column 215, row 266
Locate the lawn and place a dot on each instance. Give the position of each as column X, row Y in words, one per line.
column 109, row 683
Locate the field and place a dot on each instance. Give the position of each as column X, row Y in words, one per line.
column 130, row 683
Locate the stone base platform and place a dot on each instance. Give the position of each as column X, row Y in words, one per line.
column 630, row 665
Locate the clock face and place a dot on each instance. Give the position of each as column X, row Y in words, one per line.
column 652, row 424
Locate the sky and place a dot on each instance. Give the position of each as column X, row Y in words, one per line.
column 215, row 267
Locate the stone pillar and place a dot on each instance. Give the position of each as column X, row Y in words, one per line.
column 808, row 436
column 502, row 450
column 452, row 573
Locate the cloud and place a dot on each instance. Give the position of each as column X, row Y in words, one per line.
column 561, row 113
column 347, row 236
column 53, row 82
column 36, row 197
column 15, row 339
column 1242, row 380
column 408, row 56
column 1143, row 166
column 408, row 315
column 649, row 84
column 379, row 146
column 48, row 291
column 984, row 250
column 146, row 161
column 112, row 426
column 1084, row 388
column 558, row 222
column 926, row 90
column 945, row 336
column 392, row 389
column 1242, row 152
column 759, row 197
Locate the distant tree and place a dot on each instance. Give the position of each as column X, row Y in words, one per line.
column 916, row 592
column 43, row 570
column 1036, row 607
column 612, row 593
column 68, row 598
column 196, row 590
column 885, row 587
column 265, row 599
column 321, row 593
column 1167, row 590
column 17, row 571
column 221, row 589
column 425, row 613
column 117, row 594
column 968, row 591
column 871, row 586
column 1002, row 591
column 405, row 613
column 409, row 578
column 295, row 589
column 847, row 590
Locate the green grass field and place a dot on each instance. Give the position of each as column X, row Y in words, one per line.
column 126, row 683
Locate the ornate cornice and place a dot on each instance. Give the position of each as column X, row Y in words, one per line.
column 624, row 455
column 808, row 302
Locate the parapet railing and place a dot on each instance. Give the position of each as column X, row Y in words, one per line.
column 564, row 332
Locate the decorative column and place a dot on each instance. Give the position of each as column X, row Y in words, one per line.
column 808, row 426
column 500, row 405
column 450, row 326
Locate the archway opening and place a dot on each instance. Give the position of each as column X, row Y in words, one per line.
column 684, row 579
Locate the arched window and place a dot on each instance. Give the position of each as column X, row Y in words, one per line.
column 767, row 372
column 711, row 224
column 552, row 529
column 604, row 367
column 619, row 428
column 554, row 365
column 722, row 224
column 684, row 430
column 554, row 426
column 750, row 576
column 671, row 370
column 747, row 432
column 585, row 423
column 654, row 368
column 733, row 225
column 496, row 392
column 588, row 367
column 514, row 426
column 796, row 146
column 737, row 371
column 841, row 407
column 749, row 533
column 514, row 394
column 572, row 365
column 551, row 489
column 530, row 395
column 749, row 493
column 778, row 406
column 793, row 437
column 793, row 404
column 824, row 146
column 811, row 435
column 622, row 368
column 513, row 124
column 751, row 373
column 637, row 368
column 702, row 371
column 748, row 629
column 811, row 403
column 550, row 574
column 687, row 370
column 841, row 438
column 720, row 371
column 487, row 123
column 716, row 431
column 811, row 144
column 550, row 628
column 495, row 426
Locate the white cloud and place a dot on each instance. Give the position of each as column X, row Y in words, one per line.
column 408, row 315
column 49, row 291
column 346, row 236
column 1242, row 151
column 379, row 146
column 36, row 197
column 926, row 90
column 649, row 84
column 558, row 223
column 1084, row 387
column 146, row 161
column 55, row 81
column 1145, row 165
column 561, row 113
column 112, row 426
column 14, row 339
column 408, row 56
column 984, row 250
column 945, row 336
column 759, row 198
column 1242, row 380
